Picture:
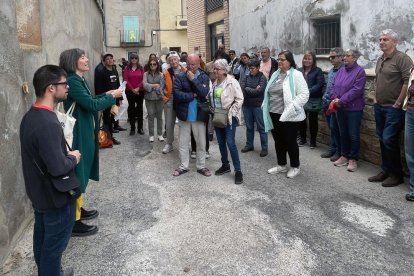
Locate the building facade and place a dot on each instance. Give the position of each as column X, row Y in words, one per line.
column 208, row 26
column 132, row 26
column 173, row 26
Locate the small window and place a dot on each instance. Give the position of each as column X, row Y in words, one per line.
column 131, row 29
column 327, row 34
column 175, row 49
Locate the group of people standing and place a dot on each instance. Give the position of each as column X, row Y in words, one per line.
column 273, row 93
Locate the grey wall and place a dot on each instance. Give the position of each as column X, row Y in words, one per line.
column 286, row 24
column 64, row 24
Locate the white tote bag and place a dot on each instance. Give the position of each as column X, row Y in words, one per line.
column 67, row 121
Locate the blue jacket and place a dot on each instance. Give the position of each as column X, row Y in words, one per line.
column 184, row 89
column 348, row 87
column 315, row 81
column 326, row 96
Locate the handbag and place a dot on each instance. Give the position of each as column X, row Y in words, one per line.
column 67, row 121
column 204, row 111
column 313, row 105
column 104, row 139
column 221, row 117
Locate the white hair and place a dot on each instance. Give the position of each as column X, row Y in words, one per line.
column 223, row 64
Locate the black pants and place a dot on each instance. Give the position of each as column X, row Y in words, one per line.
column 284, row 134
column 193, row 141
column 313, row 126
column 135, row 109
column 107, row 119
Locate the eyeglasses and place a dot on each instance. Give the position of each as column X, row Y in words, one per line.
column 153, row 64
column 134, row 58
column 253, row 68
column 60, row 83
column 281, row 59
column 332, row 57
column 217, row 69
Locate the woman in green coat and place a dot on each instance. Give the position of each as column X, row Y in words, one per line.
column 85, row 132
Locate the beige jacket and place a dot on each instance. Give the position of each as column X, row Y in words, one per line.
column 231, row 97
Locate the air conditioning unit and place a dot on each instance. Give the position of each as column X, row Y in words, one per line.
column 181, row 24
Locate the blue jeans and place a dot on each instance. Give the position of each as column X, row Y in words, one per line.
column 227, row 136
column 389, row 124
column 349, row 128
column 409, row 145
column 254, row 114
column 332, row 121
column 51, row 234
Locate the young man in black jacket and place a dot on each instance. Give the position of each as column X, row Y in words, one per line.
column 48, row 170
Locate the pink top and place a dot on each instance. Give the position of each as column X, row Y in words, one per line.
column 134, row 78
column 265, row 68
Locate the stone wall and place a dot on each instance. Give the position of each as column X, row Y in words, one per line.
column 63, row 25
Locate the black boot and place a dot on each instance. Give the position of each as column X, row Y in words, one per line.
column 85, row 215
column 81, row 229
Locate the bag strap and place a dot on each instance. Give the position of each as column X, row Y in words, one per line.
column 71, row 109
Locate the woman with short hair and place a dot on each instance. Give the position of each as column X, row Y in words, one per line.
column 226, row 94
column 347, row 93
column 85, row 131
column 285, row 95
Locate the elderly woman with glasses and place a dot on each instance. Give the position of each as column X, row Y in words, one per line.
column 285, row 95
column 133, row 75
column 154, row 83
column 85, row 132
column 226, row 94
column 347, row 94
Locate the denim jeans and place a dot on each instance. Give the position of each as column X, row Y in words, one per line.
column 227, row 136
column 335, row 146
column 254, row 114
column 51, row 234
column 409, row 145
column 389, row 124
column 349, row 128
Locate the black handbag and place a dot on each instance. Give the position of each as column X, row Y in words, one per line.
column 203, row 111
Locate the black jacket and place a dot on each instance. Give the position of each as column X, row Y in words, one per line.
column 252, row 96
column 44, row 156
column 315, row 81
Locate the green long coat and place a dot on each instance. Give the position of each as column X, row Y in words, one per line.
column 85, row 132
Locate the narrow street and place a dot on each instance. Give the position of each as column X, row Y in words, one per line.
column 326, row 221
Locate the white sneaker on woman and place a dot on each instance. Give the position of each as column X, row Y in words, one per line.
column 293, row 172
column 277, row 169
column 160, row 138
column 151, row 139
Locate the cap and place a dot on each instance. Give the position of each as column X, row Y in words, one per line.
column 104, row 55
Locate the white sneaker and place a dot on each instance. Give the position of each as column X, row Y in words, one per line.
column 207, row 155
column 151, row 139
column 167, row 148
column 193, row 155
column 160, row 138
column 277, row 169
column 293, row 172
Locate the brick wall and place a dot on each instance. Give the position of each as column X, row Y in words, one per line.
column 226, row 25
column 197, row 29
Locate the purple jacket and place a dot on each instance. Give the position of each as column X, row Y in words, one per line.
column 348, row 87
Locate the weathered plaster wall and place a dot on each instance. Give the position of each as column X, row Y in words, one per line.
column 64, row 24
column 286, row 24
column 148, row 13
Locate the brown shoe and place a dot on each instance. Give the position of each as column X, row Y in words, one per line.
column 379, row 177
column 393, row 181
